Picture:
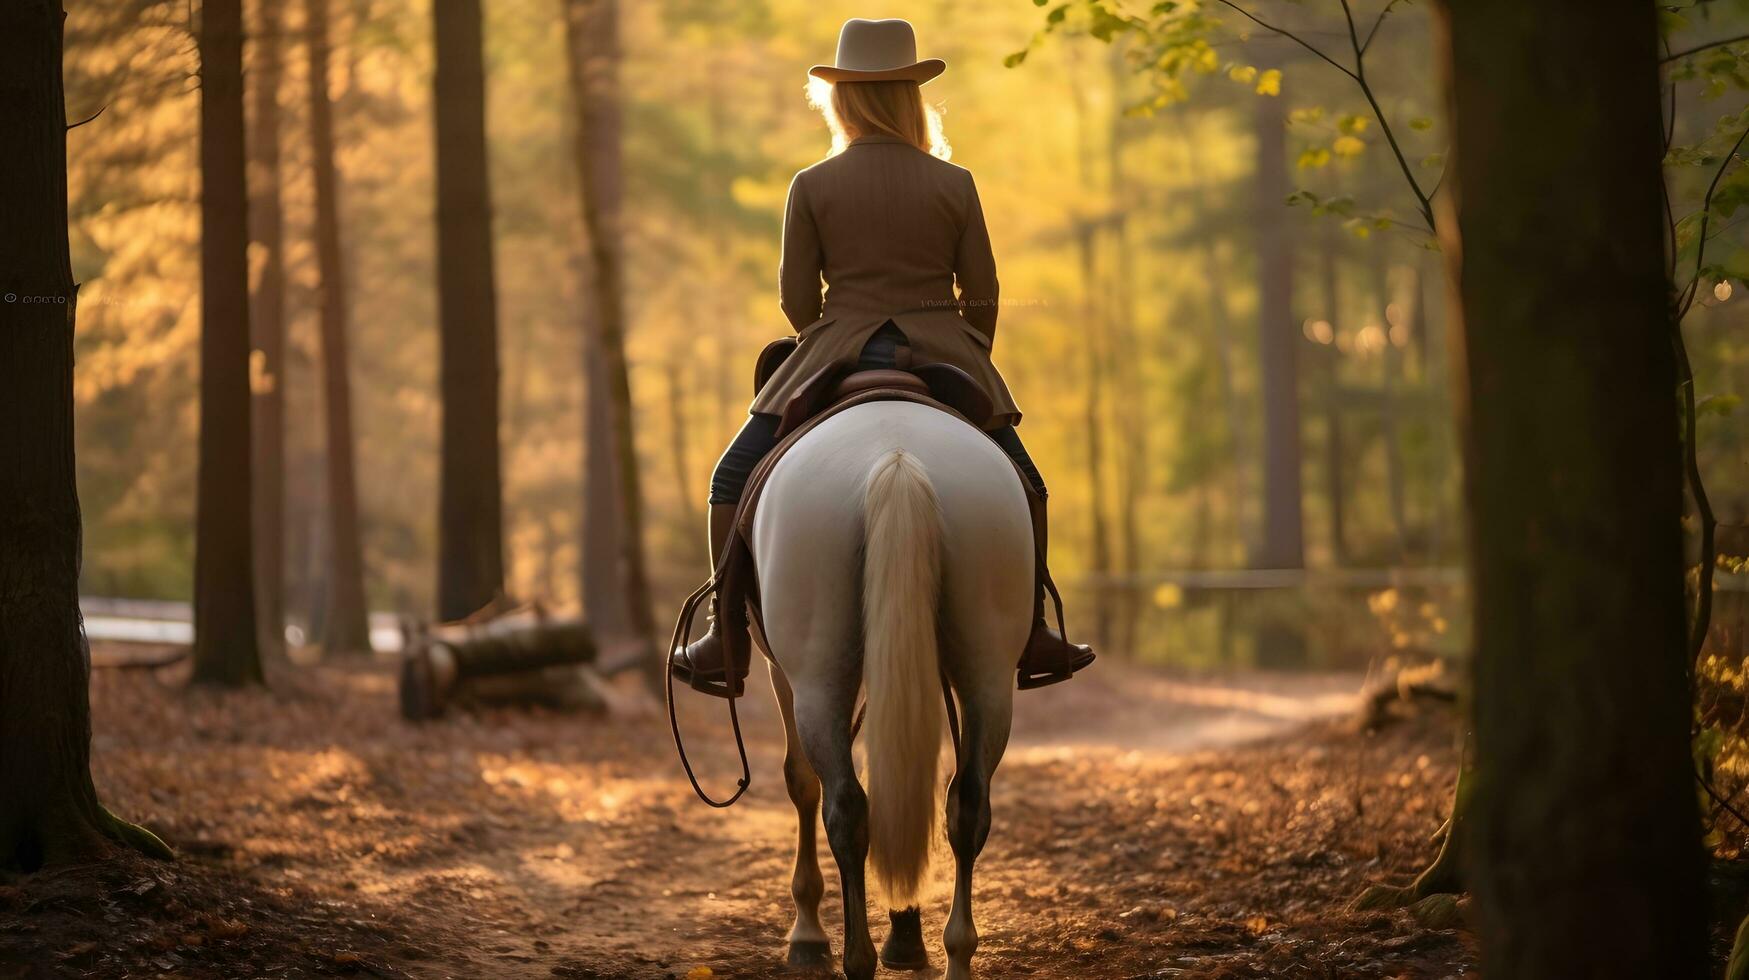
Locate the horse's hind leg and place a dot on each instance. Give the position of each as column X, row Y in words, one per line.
column 825, row 731
column 983, row 738
column 808, row 945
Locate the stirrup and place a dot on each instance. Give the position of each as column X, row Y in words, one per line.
column 716, row 684
column 1033, row 680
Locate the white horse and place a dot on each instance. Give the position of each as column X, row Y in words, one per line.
column 894, row 549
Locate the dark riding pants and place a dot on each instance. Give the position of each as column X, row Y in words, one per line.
column 759, row 435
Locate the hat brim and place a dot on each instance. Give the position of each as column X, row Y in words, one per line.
column 920, row 72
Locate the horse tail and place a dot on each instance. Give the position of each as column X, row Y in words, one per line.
column 901, row 589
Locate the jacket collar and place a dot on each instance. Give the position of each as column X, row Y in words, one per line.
column 879, row 138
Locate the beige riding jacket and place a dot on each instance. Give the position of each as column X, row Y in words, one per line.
column 892, row 230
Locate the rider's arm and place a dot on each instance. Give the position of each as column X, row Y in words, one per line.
column 798, row 271
column 975, row 268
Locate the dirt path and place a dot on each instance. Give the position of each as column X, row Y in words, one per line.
column 1145, row 826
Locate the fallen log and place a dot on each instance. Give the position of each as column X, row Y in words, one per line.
column 518, row 654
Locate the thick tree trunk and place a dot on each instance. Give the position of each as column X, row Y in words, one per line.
column 470, row 546
column 226, row 648
column 1583, row 844
column 267, row 326
column 345, row 629
column 49, row 812
column 592, row 48
column 1282, row 544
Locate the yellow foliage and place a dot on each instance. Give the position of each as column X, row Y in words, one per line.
column 1269, row 83
column 1348, row 146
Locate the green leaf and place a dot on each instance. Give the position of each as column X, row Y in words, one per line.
column 1421, row 124
column 1313, row 157
column 1014, row 60
column 1351, row 124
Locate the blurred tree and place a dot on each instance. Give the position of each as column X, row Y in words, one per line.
column 592, row 58
column 49, row 812
column 1282, row 542
column 226, row 646
column 267, row 327
column 344, row 625
column 470, row 560
column 592, row 62
column 1584, row 809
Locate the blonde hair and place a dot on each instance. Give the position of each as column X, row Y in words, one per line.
column 891, row 108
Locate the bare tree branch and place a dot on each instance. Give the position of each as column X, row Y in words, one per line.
column 1359, row 76
column 1706, row 206
column 1697, row 49
column 1376, row 24
column 1292, row 37
column 94, row 115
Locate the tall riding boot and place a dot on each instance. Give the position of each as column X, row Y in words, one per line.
column 1049, row 658
column 703, row 665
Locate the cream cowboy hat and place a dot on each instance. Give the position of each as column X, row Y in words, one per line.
column 878, row 51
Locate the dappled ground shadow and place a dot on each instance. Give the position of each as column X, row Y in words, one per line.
column 1141, row 830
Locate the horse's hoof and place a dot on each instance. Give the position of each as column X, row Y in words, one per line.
column 904, row 949
column 810, row 952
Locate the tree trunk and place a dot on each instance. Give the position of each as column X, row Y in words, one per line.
column 470, row 548
column 345, row 629
column 226, row 648
column 49, row 812
column 1282, row 544
column 1392, row 362
column 1221, row 322
column 603, row 585
column 592, row 48
column 1331, row 357
column 678, row 449
column 1583, row 845
column 267, row 324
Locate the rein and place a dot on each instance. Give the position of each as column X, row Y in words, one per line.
column 683, row 633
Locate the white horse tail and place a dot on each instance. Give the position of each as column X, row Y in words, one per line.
column 901, row 589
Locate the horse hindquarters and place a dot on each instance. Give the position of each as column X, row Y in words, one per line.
column 902, row 558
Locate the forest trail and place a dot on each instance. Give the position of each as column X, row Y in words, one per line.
column 1145, row 826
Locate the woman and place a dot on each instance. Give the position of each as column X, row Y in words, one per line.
column 892, row 227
